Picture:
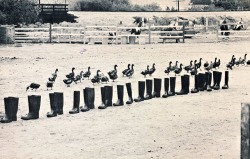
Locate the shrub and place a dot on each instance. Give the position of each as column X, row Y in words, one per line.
column 17, row 11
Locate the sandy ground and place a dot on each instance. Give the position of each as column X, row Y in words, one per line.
column 204, row 125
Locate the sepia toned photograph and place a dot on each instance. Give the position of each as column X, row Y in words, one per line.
column 124, row 79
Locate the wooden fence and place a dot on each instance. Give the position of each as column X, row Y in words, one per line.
column 120, row 35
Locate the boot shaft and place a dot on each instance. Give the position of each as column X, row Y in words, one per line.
column 157, row 87
column 226, row 77
column 11, row 108
column 120, row 92
column 208, row 81
column 184, row 85
column 120, row 89
column 166, row 84
column 218, row 80
column 141, row 88
column 76, row 101
column 214, row 78
column 196, row 81
column 149, row 87
column 91, row 97
column 202, row 80
column 34, row 107
column 129, row 89
column 52, row 101
column 53, row 105
column 34, row 103
column 59, row 102
column 103, row 94
column 172, row 86
column 226, row 80
column 196, row 84
column 108, row 95
column 187, row 83
column 166, row 87
column 85, row 96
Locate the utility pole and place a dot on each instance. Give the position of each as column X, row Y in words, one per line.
column 178, row 5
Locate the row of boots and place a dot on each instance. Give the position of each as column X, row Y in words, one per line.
column 202, row 82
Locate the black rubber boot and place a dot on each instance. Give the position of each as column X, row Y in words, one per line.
column 149, row 86
column 218, row 79
column 129, row 90
column 141, row 88
column 11, row 107
column 208, row 81
column 172, row 86
column 76, row 103
column 184, row 85
column 214, row 78
column 53, row 106
column 187, row 83
column 85, row 107
column 196, row 84
column 34, row 107
column 59, row 102
column 103, row 105
column 120, row 90
column 166, row 87
column 226, row 80
column 108, row 95
column 202, row 81
column 157, row 88
column 91, row 98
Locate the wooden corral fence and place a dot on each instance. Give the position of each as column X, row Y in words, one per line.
column 232, row 33
column 33, row 35
column 99, row 34
column 117, row 34
column 68, row 34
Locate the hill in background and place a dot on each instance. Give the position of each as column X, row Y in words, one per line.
column 184, row 4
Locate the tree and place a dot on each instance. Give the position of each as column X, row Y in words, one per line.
column 201, row 2
column 18, row 11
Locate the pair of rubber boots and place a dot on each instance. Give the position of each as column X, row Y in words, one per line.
column 107, row 93
column 56, row 104
column 217, row 79
column 89, row 98
column 34, row 102
column 149, row 85
column 172, row 81
column 203, row 81
column 11, row 108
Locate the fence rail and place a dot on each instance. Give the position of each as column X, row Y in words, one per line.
column 120, row 35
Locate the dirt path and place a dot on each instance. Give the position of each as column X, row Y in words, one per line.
column 204, row 125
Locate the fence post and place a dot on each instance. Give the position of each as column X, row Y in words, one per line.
column 217, row 33
column 50, row 33
column 149, row 33
column 116, row 35
column 183, row 30
column 84, row 34
column 245, row 135
column 206, row 24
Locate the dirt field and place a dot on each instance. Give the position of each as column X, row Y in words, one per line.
column 205, row 125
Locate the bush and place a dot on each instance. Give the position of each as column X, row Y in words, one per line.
column 17, row 11
column 113, row 5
